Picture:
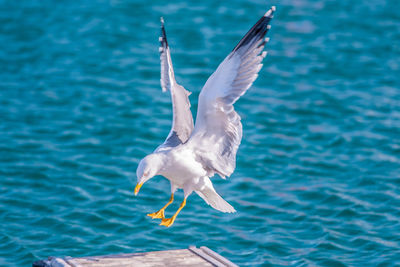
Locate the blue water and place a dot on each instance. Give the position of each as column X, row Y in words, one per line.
column 318, row 171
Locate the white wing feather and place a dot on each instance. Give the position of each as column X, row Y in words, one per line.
column 218, row 130
column 182, row 122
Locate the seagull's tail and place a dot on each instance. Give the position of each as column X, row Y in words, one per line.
column 214, row 200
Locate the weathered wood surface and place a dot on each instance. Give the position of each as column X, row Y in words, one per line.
column 182, row 257
column 201, row 257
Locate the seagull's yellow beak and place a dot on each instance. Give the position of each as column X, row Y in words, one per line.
column 137, row 188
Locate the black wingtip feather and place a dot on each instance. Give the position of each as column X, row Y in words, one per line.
column 258, row 31
column 164, row 42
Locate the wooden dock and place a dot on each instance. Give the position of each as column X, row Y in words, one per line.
column 199, row 257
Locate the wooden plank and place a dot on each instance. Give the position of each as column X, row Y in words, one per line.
column 182, row 257
column 212, row 256
column 201, row 257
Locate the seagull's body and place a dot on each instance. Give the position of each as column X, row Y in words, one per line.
column 191, row 154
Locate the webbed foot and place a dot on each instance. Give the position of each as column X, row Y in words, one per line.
column 157, row 215
column 167, row 222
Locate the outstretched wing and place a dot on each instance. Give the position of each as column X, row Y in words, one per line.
column 218, row 130
column 182, row 121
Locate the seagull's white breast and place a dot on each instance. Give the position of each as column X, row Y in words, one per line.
column 182, row 166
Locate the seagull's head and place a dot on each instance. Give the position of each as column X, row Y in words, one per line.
column 147, row 169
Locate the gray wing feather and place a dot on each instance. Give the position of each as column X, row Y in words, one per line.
column 182, row 122
column 217, row 124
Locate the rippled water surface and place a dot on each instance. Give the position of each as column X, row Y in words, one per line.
column 318, row 171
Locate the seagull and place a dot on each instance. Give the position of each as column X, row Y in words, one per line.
column 192, row 154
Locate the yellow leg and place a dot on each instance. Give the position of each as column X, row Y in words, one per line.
column 160, row 214
column 169, row 221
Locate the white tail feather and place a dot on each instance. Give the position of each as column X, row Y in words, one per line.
column 214, row 200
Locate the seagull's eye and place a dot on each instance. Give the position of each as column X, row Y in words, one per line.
column 145, row 173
